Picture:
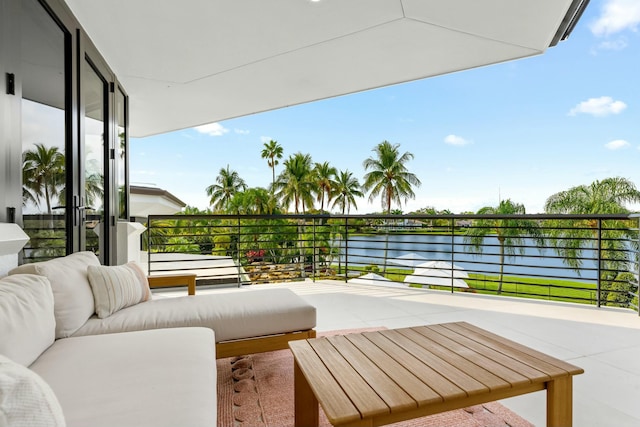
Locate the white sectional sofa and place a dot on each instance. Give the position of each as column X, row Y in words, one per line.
column 148, row 363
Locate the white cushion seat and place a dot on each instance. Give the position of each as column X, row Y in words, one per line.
column 148, row 378
column 71, row 289
column 232, row 315
column 27, row 323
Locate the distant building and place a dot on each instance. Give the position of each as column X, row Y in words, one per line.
column 147, row 201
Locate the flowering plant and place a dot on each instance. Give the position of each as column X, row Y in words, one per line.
column 255, row 254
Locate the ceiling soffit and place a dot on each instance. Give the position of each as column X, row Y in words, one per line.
column 199, row 61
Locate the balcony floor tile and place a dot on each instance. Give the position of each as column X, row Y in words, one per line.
column 605, row 342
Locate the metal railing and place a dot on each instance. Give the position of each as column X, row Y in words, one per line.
column 575, row 258
column 48, row 236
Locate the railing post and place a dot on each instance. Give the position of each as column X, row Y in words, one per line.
column 149, row 245
column 313, row 249
column 239, row 281
column 452, row 250
column 638, row 265
column 599, row 252
column 346, row 249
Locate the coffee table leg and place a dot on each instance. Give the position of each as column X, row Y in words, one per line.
column 560, row 402
column 306, row 404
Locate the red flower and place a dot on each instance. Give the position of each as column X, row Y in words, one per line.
column 255, row 253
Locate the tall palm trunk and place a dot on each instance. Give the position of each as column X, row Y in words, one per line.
column 49, row 210
column 501, row 240
column 273, row 175
column 386, row 236
column 301, row 256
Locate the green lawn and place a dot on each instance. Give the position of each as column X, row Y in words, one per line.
column 524, row 287
column 535, row 287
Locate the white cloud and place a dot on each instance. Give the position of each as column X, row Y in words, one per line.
column 264, row 139
column 599, row 107
column 212, row 129
column 456, row 140
column 617, row 16
column 617, row 144
column 241, row 131
column 618, row 44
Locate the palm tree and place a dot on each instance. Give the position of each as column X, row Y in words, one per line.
column 325, row 180
column 601, row 197
column 389, row 178
column 510, row 232
column 253, row 201
column 571, row 237
column 43, row 174
column 228, row 184
column 93, row 192
column 345, row 191
column 272, row 151
column 295, row 182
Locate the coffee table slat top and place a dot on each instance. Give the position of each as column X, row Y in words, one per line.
column 363, row 397
column 524, row 357
column 507, row 362
column 466, row 382
column 423, row 372
column 380, row 374
column 479, row 362
column 336, row 404
column 418, row 390
column 480, row 333
column 374, row 375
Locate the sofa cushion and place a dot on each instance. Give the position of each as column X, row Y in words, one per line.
column 237, row 314
column 117, row 287
column 27, row 324
column 26, row 400
column 153, row 378
column 71, row 290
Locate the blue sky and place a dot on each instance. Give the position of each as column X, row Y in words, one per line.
column 522, row 130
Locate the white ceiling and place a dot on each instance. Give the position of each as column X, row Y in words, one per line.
column 194, row 62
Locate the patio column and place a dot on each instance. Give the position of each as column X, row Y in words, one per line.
column 129, row 241
column 12, row 239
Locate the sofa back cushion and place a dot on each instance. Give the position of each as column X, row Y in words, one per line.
column 71, row 290
column 27, row 324
column 26, row 400
column 117, row 287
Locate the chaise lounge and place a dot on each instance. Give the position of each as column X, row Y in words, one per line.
column 110, row 361
column 244, row 321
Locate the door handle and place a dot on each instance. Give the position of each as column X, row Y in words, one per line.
column 79, row 211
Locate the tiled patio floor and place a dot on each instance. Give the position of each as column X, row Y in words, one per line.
column 605, row 342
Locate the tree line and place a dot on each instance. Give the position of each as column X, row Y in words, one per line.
column 302, row 183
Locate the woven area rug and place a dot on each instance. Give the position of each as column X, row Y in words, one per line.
column 257, row 391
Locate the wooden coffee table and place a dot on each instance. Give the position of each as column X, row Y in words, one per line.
column 382, row 377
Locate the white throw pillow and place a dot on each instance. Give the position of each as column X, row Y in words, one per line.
column 26, row 400
column 117, row 287
column 27, row 323
column 71, row 290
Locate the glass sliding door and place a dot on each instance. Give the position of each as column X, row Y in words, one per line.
column 63, row 128
column 96, row 137
column 121, row 157
column 44, row 132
